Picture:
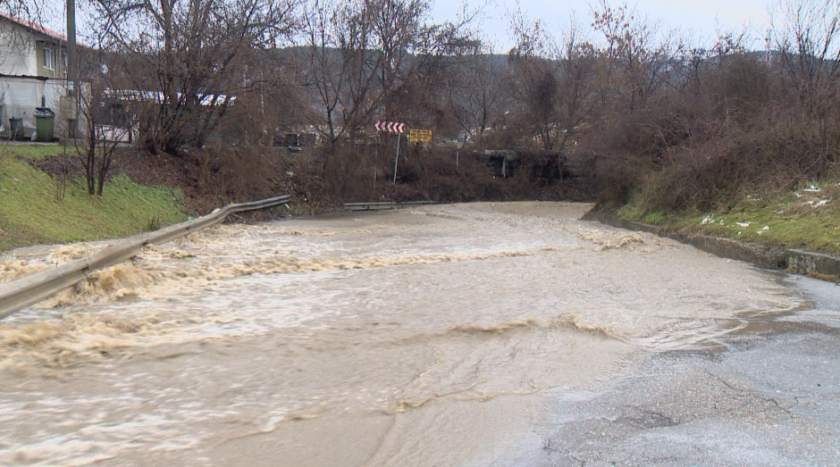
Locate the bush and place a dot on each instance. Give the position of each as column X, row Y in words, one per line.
column 239, row 174
column 729, row 133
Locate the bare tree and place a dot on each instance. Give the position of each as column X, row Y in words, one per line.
column 29, row 10
column 553, row 82
column 186, row 58
column 101, row 132
column 807, row 35
column 636, row 56
column 475, row 91
column 342, row 67
column 366, row 57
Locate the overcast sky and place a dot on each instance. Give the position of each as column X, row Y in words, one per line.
column 702, row 17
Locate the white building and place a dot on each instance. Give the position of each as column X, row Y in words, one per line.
column 33, row 74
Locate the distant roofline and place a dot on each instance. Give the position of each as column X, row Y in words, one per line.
column 38, row 28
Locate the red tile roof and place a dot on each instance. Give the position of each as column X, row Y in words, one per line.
column 34, row 27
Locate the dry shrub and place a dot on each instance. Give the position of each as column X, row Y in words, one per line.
column 348, row 170
column 239, row 174
column 731, row 132
column 429, row 172
column 763, row 157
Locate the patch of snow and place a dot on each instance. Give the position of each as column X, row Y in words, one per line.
column 707, row 219
column 764, row 229
column 819, row 203
column 813, row 188
column 744, row 224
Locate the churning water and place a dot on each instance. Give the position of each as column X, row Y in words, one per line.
column 431, row 336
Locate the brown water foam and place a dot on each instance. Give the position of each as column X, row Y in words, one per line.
column 13, row 269
column 133, row 280
column 565, row 322
column 499, row 328
column 404, row 404
column 467, row 394
column 284, row 265
column 573, row 321
column 66, row 253
column 307, row 233
column 611, row 242
column 74, row 339
column 568, row 321
column 690, row 334
column 121, row 281
column 91, row 337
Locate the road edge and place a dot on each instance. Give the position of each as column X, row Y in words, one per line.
column 796, row 261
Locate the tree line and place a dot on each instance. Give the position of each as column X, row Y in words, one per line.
column 687, row 123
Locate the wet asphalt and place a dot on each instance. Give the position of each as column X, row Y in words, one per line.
column 766, row 396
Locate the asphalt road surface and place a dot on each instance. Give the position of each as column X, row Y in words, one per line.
column 769, row 395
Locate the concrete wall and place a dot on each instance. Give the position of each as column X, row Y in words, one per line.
column 20, row 96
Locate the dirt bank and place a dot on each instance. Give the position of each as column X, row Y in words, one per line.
column 213, row 177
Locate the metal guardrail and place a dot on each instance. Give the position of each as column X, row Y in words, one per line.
column 19, row 294
column 382, row 205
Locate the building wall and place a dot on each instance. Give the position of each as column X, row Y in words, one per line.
column 58, row 57
column 22, row 52
column 17, row 55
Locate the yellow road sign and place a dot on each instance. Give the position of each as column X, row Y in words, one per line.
column 420, row 136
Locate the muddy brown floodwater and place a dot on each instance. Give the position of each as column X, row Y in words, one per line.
column 432, row 336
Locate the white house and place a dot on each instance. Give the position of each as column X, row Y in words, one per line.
column 33, row 74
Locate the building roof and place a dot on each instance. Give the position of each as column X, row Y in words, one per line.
column 35, row 27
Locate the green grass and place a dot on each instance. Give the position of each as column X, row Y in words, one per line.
column 638, row 212
column 30, row 211
column 33, row 151
column 807, row 218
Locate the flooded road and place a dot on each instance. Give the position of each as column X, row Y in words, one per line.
column 438, row 335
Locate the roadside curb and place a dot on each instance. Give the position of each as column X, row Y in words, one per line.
column 384, row 205
column 766, row 256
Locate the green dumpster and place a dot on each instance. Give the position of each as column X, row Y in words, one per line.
column 44, row 124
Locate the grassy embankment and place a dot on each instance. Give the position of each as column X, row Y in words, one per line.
column 32, row 210
column 807, row 217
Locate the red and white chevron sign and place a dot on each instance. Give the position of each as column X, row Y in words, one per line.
column 392, row 127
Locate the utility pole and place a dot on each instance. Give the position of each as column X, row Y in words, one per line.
column 71, row 48
column 70, row 110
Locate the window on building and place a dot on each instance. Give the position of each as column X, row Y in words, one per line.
column 49, row 59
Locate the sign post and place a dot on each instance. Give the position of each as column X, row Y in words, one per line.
column 392, row 127
column 397, row 158
column 376, row 160
column 458, row 147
